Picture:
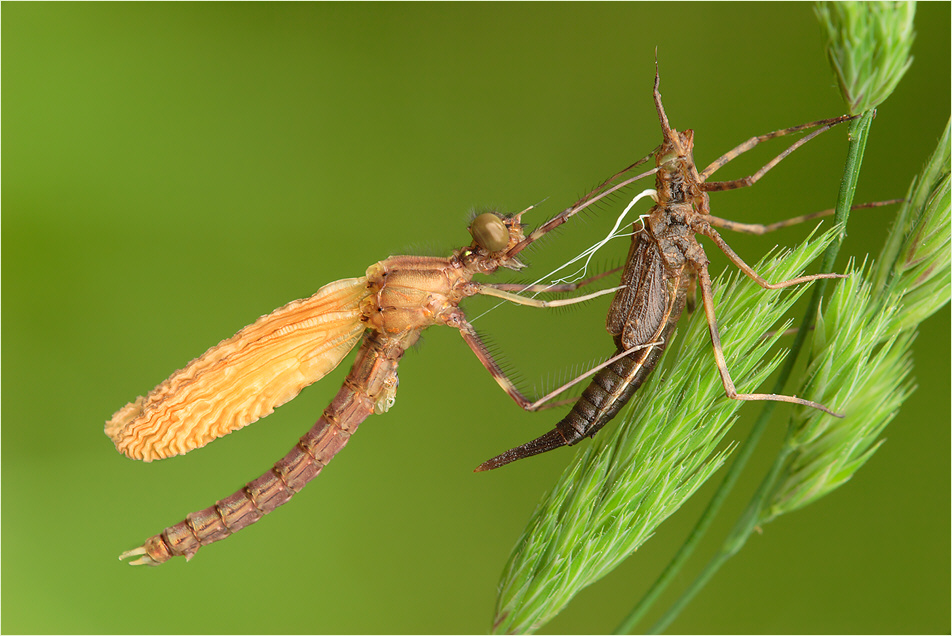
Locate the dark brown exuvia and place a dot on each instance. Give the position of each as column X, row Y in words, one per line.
column 664, row 265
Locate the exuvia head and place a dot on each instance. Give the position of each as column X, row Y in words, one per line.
column 676, row 144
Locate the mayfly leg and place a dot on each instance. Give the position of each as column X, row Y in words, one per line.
column 544, row 401
column 482, row 353
column 749, row 271
column 490, row 290
column 506, row 291
column 551, row 288
column 604, row 189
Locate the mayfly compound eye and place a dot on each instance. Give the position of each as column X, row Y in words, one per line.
column 490, row 232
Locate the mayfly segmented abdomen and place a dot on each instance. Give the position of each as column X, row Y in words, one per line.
column 644, row 314
column 256, row 499
column 369, row 388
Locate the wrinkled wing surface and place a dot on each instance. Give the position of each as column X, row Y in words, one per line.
column 244, row 377
column 639, row 311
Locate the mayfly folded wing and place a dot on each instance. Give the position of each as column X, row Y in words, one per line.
column 245, row 377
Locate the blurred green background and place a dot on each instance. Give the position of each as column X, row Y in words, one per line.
column 173, row 171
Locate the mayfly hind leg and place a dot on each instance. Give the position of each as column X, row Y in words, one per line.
column 707, row 298
column 551, row 288
column 482, row 353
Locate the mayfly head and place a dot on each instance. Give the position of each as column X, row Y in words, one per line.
column 490, row 232
column 493, row 235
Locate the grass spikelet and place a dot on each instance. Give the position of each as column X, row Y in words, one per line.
column 638, row 472
column 861, row 359
column 868, row 45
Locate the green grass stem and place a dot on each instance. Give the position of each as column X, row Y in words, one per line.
column 859, row 132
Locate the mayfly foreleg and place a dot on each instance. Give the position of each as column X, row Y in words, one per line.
column 707, row 297
column 479, row 349
column 551, row 288
column 489, row 290
column 720, row 162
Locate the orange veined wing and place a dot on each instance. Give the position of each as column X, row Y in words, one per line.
column 244, row 377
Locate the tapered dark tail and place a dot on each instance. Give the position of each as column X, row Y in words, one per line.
column 610, row 390
column 550, row 441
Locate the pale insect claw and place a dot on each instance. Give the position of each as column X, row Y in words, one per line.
column 388, row 396
column 145, row 560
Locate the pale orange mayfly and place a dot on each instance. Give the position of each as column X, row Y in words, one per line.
column 269, row 362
